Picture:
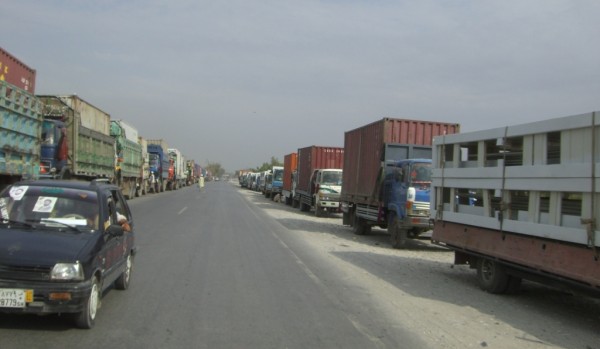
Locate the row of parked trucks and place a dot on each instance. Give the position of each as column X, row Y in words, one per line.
column 513, row 202
column 64, row 137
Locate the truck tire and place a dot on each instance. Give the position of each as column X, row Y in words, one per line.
column 304, row 207
column 318, row 211
column 360, row 227
column 398, row 236
column 492, row 276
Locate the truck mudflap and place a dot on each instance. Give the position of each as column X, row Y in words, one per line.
column 551, row 259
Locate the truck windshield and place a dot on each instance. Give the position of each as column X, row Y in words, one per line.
column 154, row 160
column 332, row 177
column 278, row 176
column 48, row 132
column 420, row 173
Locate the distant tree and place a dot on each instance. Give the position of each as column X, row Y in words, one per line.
column 269, row 165
column 215, row 168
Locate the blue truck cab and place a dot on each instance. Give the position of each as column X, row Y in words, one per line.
column 53, row 164
column 159, row 167
column 405, row 198
column 275, row 184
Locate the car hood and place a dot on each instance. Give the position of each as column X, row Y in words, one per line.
column 42, row 247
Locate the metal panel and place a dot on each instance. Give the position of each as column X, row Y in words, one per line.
column 90, row 116
column 20, row 132
column 131, row 133
column 15, row 72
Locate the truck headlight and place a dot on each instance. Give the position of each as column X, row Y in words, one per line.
column 67, row 271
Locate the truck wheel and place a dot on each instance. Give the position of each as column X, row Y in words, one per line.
column 398, row 236
column 288, row 201
column 318, row 211
column 492, row 276
column 360, row 227
column 295, row 203
column 304, row 207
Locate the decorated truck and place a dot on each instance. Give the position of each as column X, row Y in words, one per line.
column 522, row 202
column 128, row 157
column 75, row 141
column 158, row 155
column 20, row 132
column 178, row 177
column 145, row 182
column 386, row 183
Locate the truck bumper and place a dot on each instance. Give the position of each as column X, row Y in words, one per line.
column 330, row 205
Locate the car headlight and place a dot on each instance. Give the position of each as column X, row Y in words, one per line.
column 67, row 271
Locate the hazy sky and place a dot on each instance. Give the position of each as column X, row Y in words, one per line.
column 237, row 82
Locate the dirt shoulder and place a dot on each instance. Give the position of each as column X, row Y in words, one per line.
column 420, row 289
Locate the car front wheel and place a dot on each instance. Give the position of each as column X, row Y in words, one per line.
column 87, row 317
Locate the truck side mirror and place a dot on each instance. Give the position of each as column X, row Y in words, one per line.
column 398, row 175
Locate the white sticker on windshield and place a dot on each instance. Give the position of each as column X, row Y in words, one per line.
column 17, row 192
column 44, row 204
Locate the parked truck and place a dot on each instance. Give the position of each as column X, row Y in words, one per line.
column 128, row 157
column 386, row 181
column 178, row 178
column 274, row 184
column 76, row 141
column 159, row 162
column 522, row 202
column 290, row 163
column 319, row 179
column 145, row 180
column 20, row 132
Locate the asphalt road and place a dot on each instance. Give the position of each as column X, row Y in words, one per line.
column 223, row 267
column 214, row 271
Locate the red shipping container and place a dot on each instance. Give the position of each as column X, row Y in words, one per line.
column 364, row 151
column 290, row 163
column 316, row 157
column 15, row 72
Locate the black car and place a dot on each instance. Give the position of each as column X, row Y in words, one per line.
column 62, row 244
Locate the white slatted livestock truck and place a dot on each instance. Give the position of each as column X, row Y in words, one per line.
column 522, row 202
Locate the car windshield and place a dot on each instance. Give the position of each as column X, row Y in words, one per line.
column 50, row 207
column 332, row 177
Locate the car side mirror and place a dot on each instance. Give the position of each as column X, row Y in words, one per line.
column 115, row 230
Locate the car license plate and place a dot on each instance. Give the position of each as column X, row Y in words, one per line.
column 15, row 298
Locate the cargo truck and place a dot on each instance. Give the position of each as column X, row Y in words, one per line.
column 319, row 179
column 20, row 133
column 522, row 202
column 145, row 181
column 177, row 180
column 128, row 157
column 159, row 162
column 274, row 184
column 290, row 163
column 386, row 181
column 76, row 141
column 191, row 172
